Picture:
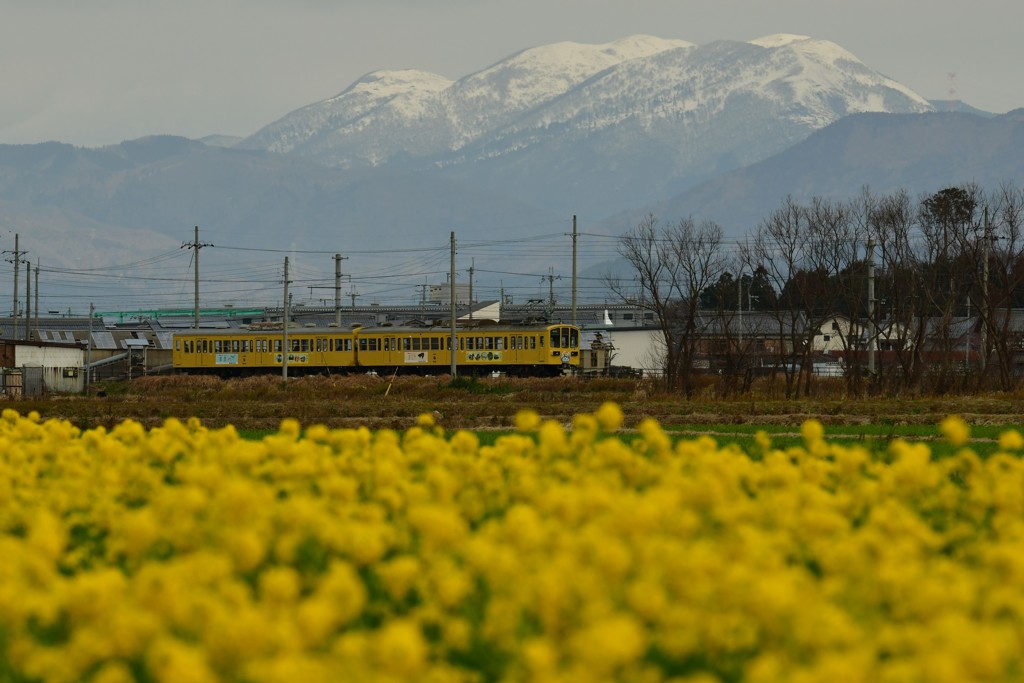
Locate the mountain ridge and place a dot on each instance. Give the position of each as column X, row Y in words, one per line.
column 724, row 130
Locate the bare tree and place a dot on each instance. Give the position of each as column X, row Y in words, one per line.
column 1000, row 253
column 901, row 318
column 802, row 249
column 673, row 266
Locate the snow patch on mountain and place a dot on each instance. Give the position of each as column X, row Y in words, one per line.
column 778, row 40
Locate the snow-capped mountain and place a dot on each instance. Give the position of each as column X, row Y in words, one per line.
column 646, row 115
column 414, row 113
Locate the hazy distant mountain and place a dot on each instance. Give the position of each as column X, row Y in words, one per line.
column 883, row 152
column 597, row 126
column 959, row 106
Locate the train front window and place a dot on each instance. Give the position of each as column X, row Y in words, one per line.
column 565, row 337
column 554, row 337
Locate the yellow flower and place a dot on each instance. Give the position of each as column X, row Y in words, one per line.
column 956, row 431
column 527, row 421
column 609, row 416
column 399, row 649
column 1011, row 440
column 812, row 431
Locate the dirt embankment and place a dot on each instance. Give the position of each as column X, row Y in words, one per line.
column 386, row 402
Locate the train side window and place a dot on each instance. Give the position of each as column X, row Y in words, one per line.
column 469, row 343
column 277, row 346
column 500, row 344
column 540, row 337
column 235, row 347
column 387, row 344
column 373, row 343
column 407, row 344
column 574, row 338
column 435, row 344
column 362, row 344
column 415, row 343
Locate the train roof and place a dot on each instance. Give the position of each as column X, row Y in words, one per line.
column 384, row 329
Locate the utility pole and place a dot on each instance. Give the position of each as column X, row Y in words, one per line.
column 284, row 327
column 454, row 317
column 16, row 260
column 574, row 234
column 551, row 277
column 37, row 298
column 88, row 352
column 739, row 306
column 984, row 298
column 472, row 265
column 337, row 288
column 28, row 299
column 195, row 245
column 872, row 328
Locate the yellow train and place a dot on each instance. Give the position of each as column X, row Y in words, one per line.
column 521, row 350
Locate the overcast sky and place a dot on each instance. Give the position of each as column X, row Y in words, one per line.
column 95, row 72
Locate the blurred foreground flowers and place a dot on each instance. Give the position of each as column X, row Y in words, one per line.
column 186, row 554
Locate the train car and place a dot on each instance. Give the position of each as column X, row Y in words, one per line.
column 522, row 350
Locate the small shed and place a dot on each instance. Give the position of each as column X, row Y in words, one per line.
column 30, row 367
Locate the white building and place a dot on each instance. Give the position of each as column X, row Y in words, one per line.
column 31, row 367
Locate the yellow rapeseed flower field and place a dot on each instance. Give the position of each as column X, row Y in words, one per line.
column 183, row 554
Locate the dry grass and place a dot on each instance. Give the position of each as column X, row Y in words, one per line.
column 345, row 401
